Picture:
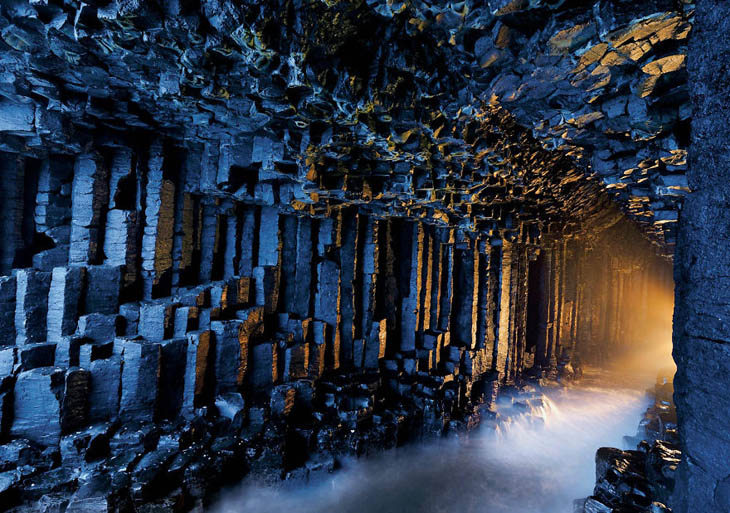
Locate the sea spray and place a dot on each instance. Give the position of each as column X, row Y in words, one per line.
column 540, row 459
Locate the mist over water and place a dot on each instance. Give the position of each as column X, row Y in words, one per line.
column 527, row 466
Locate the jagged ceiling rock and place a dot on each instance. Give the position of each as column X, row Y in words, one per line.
column 445, row 111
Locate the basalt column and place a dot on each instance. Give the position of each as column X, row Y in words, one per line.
column 701, row 322
column 257, row 237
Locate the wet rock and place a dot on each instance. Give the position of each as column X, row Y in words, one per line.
column 88, row 505
column 593, row 506
column 18, row 453
column 231, row 406
column 149, row 474
column 662, row 461
column 9, row 482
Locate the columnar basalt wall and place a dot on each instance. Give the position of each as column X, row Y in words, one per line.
column 143, row 306
column 701, row 339
column 256, row 236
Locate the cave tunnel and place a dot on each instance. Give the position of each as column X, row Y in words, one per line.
column 364, row 256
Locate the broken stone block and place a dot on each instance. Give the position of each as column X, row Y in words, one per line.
column 269, row 238
column 172, row 378
column 325, row 302
column 261, row 367
column 374, row 346
column 6, row 412
column 75, row 405
column 103, row 287
column 217, row 295
column 67, row 351
column 31, row 306
column 16, row 117
column 85, row 445
column 51, row 258
column 8, row 482
column 303, row 273
column 11, row 210
column 267, row 287
column 7, row 361
column 282, row 401
column 33, row 356
column 246, row 248
column 151, row 469
column 199, row 381
column 243, row 291
column 130, row 315
column 97, row 328
column 88, row 199
column 104, row 390
column 156, row 321
column 91, row 352
column 229, row 350
column 289, row 354
column 121, row 245
column 37, row 405
column 205, row 317
column 121, row 183
column 7, row 310
column 64, row 301
column 210, row 235
column 592, row 505
column 157, row 240
column 320, row 336
column 140, row 379
column 183, row 317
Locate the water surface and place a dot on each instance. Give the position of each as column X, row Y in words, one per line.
column 525, row 467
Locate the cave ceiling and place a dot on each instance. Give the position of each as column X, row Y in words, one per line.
column 495, row 116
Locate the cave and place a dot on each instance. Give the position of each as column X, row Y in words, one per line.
column 366, row 255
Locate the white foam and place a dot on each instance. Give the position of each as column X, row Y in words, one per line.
column 526, row 467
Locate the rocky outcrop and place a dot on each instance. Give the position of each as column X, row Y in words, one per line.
column 641, row 480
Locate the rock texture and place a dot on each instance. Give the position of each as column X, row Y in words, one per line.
column 701, row 335
column 641, row 480
column 256, row 236
column 357, row 99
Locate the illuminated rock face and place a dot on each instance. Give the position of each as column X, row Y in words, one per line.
column 700, row 325
column 258, row 237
